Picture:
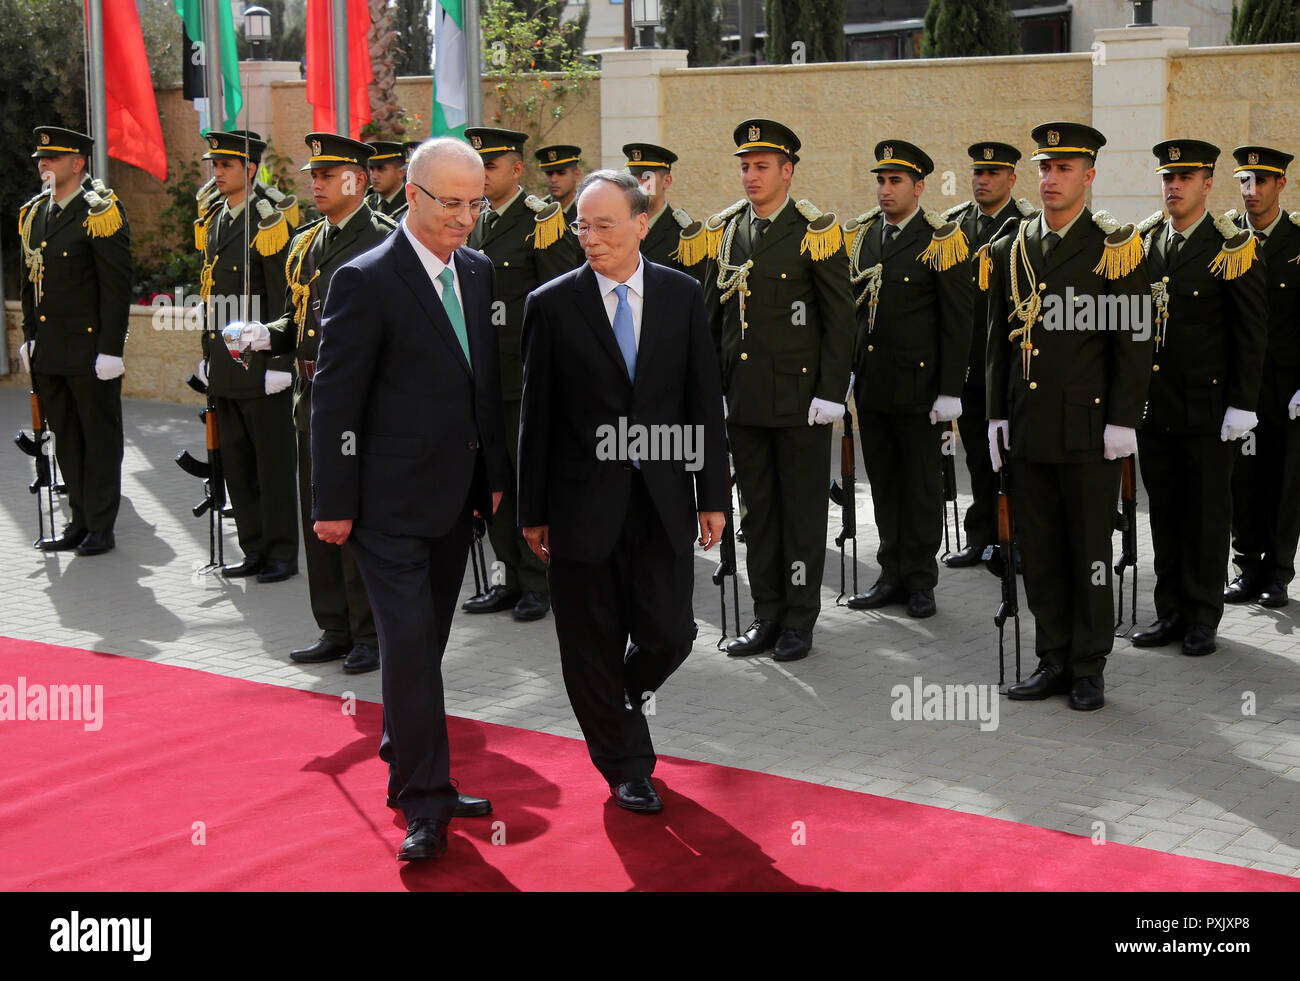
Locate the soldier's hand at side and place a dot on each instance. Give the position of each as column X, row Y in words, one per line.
column 1119, row 442
column 946, row 408
column 1237, row 423
column 277, row 381
column 712, row 524
column 995, row 455
column 26, row 350
column 538, row 538
column 201, row 372
column 333, row 532
column 1294, row 407
column 821, row 412
column 108, row 367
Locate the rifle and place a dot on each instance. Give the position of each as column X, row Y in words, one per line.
column 845, row 497
column 477, row 560
column 40, row 447
column 727, row 560
column 1126, row 524
column 213, row 476
column 947, row 450
column 1001, row 561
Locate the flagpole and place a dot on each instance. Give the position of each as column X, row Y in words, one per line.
column 212, row 67
column 98, row 97
column 473, row 69
column 342, row 94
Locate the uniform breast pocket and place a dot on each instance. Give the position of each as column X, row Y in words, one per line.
column 791, row 390
column 1083, row 420
column 1201, row 397
column 914, row 380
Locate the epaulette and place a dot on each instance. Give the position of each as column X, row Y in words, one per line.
column 387, row 222
column 682, row 217
column 204, row 220
column 286, row 204
column 1146, row 228
column 1295, row 217
column 105, row 216
column 272, row 230
column 1123, row 252
column 691, row 241
column 1026, row 207
column 984, row 254
column 302, row 230
column 948, row 245
column 824, row 237
column 1238, row 251
column 548, row 219
column 204, row 196
column 956, row 209
column 702, row 238
column 855, row 225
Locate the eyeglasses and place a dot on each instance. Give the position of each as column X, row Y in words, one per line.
column 582, row 229
column 456, row 206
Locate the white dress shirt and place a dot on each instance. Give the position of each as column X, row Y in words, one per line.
column 635, row 297
column 434, row 267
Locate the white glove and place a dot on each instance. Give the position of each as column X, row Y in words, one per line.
column 1119, row 441
column 201, row 372
column 26, row 349
column 277, row 381
column 946, row 408
column 108, row 367
column 998, row 426
column 1237, row 423
column 821, row 412
column 252, row 335
column 1294, row 407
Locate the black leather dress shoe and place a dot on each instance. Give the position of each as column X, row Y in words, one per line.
column 877, row 596
column 792, row 645
column 472, row 807
column 963, row 558
column 1199, row 641
column 921, row 604
column 251, row 566
column 1166, row 630
column 637, row 795
column 362, row 659
column 495, row 600
column 1048, row 680
column 277, row 570
column 322, row 650
column 531, row 606
column 96, row 543
column 1086, row 694
column 70, row 539
column 1243, row 589
column 758, row 638
column 1274, row 595
column 425, row 838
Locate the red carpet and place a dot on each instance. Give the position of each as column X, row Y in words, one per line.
column 290, row 795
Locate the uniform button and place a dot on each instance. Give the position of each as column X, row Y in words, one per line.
column 783, row 275
column 90, row 330
column 906, row 280
column 505, row 265
column 1042, row 286
column 804, row 370
column 1033, row 384
column 65, row 255
column 1214, row 381
column 1035, row 352
column 1040, row 318
column 311, row 333
column 744, row 356
column 1164, row 279
column 43, row 244
column 922, row 364
column 1281, row 286
column 972, row 279
column 42, row 318
column 234, row 269
column 871, row 347
column 212, row 334
column 1155, row 367
column 1196, row 292
column 1096, row 401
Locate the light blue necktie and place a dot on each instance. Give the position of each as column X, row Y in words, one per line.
column 624, row 331
column 452, row 305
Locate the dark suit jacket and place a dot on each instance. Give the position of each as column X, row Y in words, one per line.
column 576, row 381
column 392, row 386
column 1213, row 350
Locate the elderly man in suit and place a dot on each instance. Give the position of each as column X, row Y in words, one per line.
column 621, row 455
column 407, row 444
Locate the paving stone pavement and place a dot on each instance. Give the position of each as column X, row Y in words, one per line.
column 1197, row 757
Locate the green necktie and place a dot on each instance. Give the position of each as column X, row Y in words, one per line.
column 452, row 305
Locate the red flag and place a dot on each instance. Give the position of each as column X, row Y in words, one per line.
column 320, row 66
column 134, row 129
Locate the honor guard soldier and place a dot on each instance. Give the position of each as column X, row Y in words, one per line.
column 1266, row 484
column 244, row 244
column 1210, row 295
column 529, row 243
column 653, row 167
column 912, row 279
column 993, row 181
column 349, row 227
column 1065, row 396
column 777, row 294
column 75, row 300
column 560, row 165
column 387, row 169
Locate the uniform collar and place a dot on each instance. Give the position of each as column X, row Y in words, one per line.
column 1272, row 225
column 342, row 223
column 1044, row 230
column 1190, row 230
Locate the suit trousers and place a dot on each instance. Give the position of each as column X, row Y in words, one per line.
column 257, row 454
column 1064, row 516
column 338, row 596
column 902, row 456
column 85, row 415
column 642, row 590
column 1188, row 481
column 413, row 584
column 1266, row 502
column 981, row 517
column 523, row 569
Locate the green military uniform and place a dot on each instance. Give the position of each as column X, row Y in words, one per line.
column 529, row 244
column 561, row 156
column 338, row 596
column 911, row 349
column 75, row 301
column 667, row 227
column 1266, row 484
column 384, row 151
column 777, row 294
column 257, row 434
column 981, row 517
column 1211, row 304
column 1060, row 388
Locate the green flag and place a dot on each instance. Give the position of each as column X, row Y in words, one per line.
column 450, row 105
column 191, row 13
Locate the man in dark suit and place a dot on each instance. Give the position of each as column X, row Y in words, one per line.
column 621, row 447
column 407, row 443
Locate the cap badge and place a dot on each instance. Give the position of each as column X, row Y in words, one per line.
column 755, row 133
column 1053, row 138
column 988, row 153
column 476, row 142
column 315, row 148
column 550, row 155
column 1174, row 153
column 45, row 139
column 886, row 151
column 1252, row 158
column 636, row 154
column 213, row 142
